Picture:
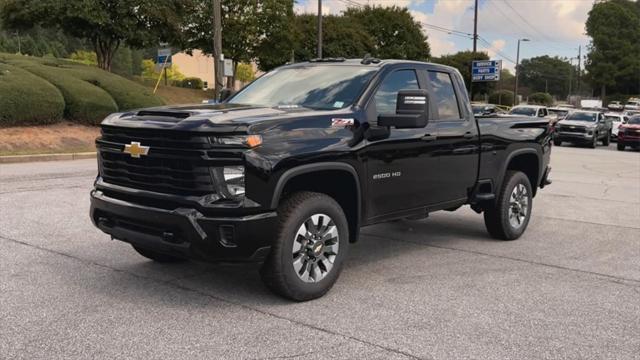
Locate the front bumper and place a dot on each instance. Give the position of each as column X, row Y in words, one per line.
column 574, row 137
column 184, row 232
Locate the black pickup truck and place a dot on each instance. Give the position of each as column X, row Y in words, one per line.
column 288, row 170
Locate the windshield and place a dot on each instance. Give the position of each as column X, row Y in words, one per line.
column 634, row 120
column 316, row 87
column 559, row 112
column 613, row 117
column 526, row 111
column 582, row 116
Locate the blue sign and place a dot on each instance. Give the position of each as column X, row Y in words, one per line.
column 486, row 70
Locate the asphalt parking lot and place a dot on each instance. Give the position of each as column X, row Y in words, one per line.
column 436, row 288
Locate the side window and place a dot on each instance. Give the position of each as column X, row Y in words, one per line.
column 387, row 94
column 444, row 96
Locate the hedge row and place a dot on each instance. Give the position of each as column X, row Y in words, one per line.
column 26, row 99
column 90, row 94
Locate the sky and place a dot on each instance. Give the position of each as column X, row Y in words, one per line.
column 554, row 27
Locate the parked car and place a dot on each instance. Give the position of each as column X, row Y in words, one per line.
column 288, row 169
column 629, row 134
column 616, row 120
column 583, row 127
column 633, row 104
column 486, row 110
column 615, row 106
column 535, row 111
column 630, row 113
column 560, row 112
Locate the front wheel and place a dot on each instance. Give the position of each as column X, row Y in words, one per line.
column 508, row 218
column 607, row 139
column 557, row 142
column 621, row 146
column 594, row 142
column 310, row 247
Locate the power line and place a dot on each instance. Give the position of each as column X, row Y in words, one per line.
column 494, row 49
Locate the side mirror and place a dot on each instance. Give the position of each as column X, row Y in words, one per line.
column 225, row 94
column 412, row 110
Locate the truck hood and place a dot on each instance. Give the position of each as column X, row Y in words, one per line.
column 205, row 117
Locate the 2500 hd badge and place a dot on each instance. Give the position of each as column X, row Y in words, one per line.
column 287, row 170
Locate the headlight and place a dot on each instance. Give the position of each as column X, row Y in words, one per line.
column 249, row 141
column 229, row 180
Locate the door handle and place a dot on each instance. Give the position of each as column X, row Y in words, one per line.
column 468, row 135
column 429, row 137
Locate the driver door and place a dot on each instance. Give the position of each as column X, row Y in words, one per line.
column 400, row 168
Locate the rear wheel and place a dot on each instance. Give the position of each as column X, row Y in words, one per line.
column 508, row 218
column 621, row 146
column 311, row 244
column 156, row 256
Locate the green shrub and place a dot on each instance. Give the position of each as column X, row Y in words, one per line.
column 541, row 98
column 126, row 93
column 26, row 99
column 90, row 93
column 84, row 102
column 191, row 83
column 501, row 97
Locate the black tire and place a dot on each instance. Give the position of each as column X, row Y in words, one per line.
column 278, row 272
column 496, row 218
column 594, row 143
column 607, row 139
column 621, row 146
column 557, row 142
column 157, row 256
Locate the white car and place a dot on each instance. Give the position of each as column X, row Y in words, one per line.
column 632, row 104
column 533, row 110
column 617, row 119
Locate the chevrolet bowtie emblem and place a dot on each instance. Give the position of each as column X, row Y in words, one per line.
column 135, row 149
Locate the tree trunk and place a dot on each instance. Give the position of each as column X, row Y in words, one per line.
column 603, row 93
column 105, row 49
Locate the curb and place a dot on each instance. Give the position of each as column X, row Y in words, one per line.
column 14, row 159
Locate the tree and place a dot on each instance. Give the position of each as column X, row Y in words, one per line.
column 462, row 61
column 613, row 59
column 547, row 74
column 396, row 34
column 342, row 37
column 251, row 30
column 105, row 24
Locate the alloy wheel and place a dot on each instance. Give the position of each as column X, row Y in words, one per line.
column 518, row 206
column 315, row 248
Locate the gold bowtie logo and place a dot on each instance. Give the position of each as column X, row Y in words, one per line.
column 135, row 149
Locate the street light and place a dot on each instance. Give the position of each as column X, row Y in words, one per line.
column 515, row 92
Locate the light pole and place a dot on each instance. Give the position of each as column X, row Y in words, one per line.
column 515, row 92
column 319, row 29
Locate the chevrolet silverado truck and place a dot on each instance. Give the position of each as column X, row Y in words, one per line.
column 287, row 170
column 584, row 127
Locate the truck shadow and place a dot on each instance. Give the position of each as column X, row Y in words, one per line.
column 240, row 284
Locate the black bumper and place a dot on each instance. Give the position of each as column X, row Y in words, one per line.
column 184, row 232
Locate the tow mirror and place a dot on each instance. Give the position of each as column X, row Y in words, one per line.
column 412, row 109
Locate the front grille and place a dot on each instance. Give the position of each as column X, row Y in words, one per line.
column 177, row 163
column 571, row 128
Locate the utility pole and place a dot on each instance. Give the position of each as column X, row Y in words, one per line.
column 515, row 90
column 579, row 66
column 319, row 29
column 475, row 45
column 217, row 47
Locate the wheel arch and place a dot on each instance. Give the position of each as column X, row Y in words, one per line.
column 526, row 160
column 335, row 179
